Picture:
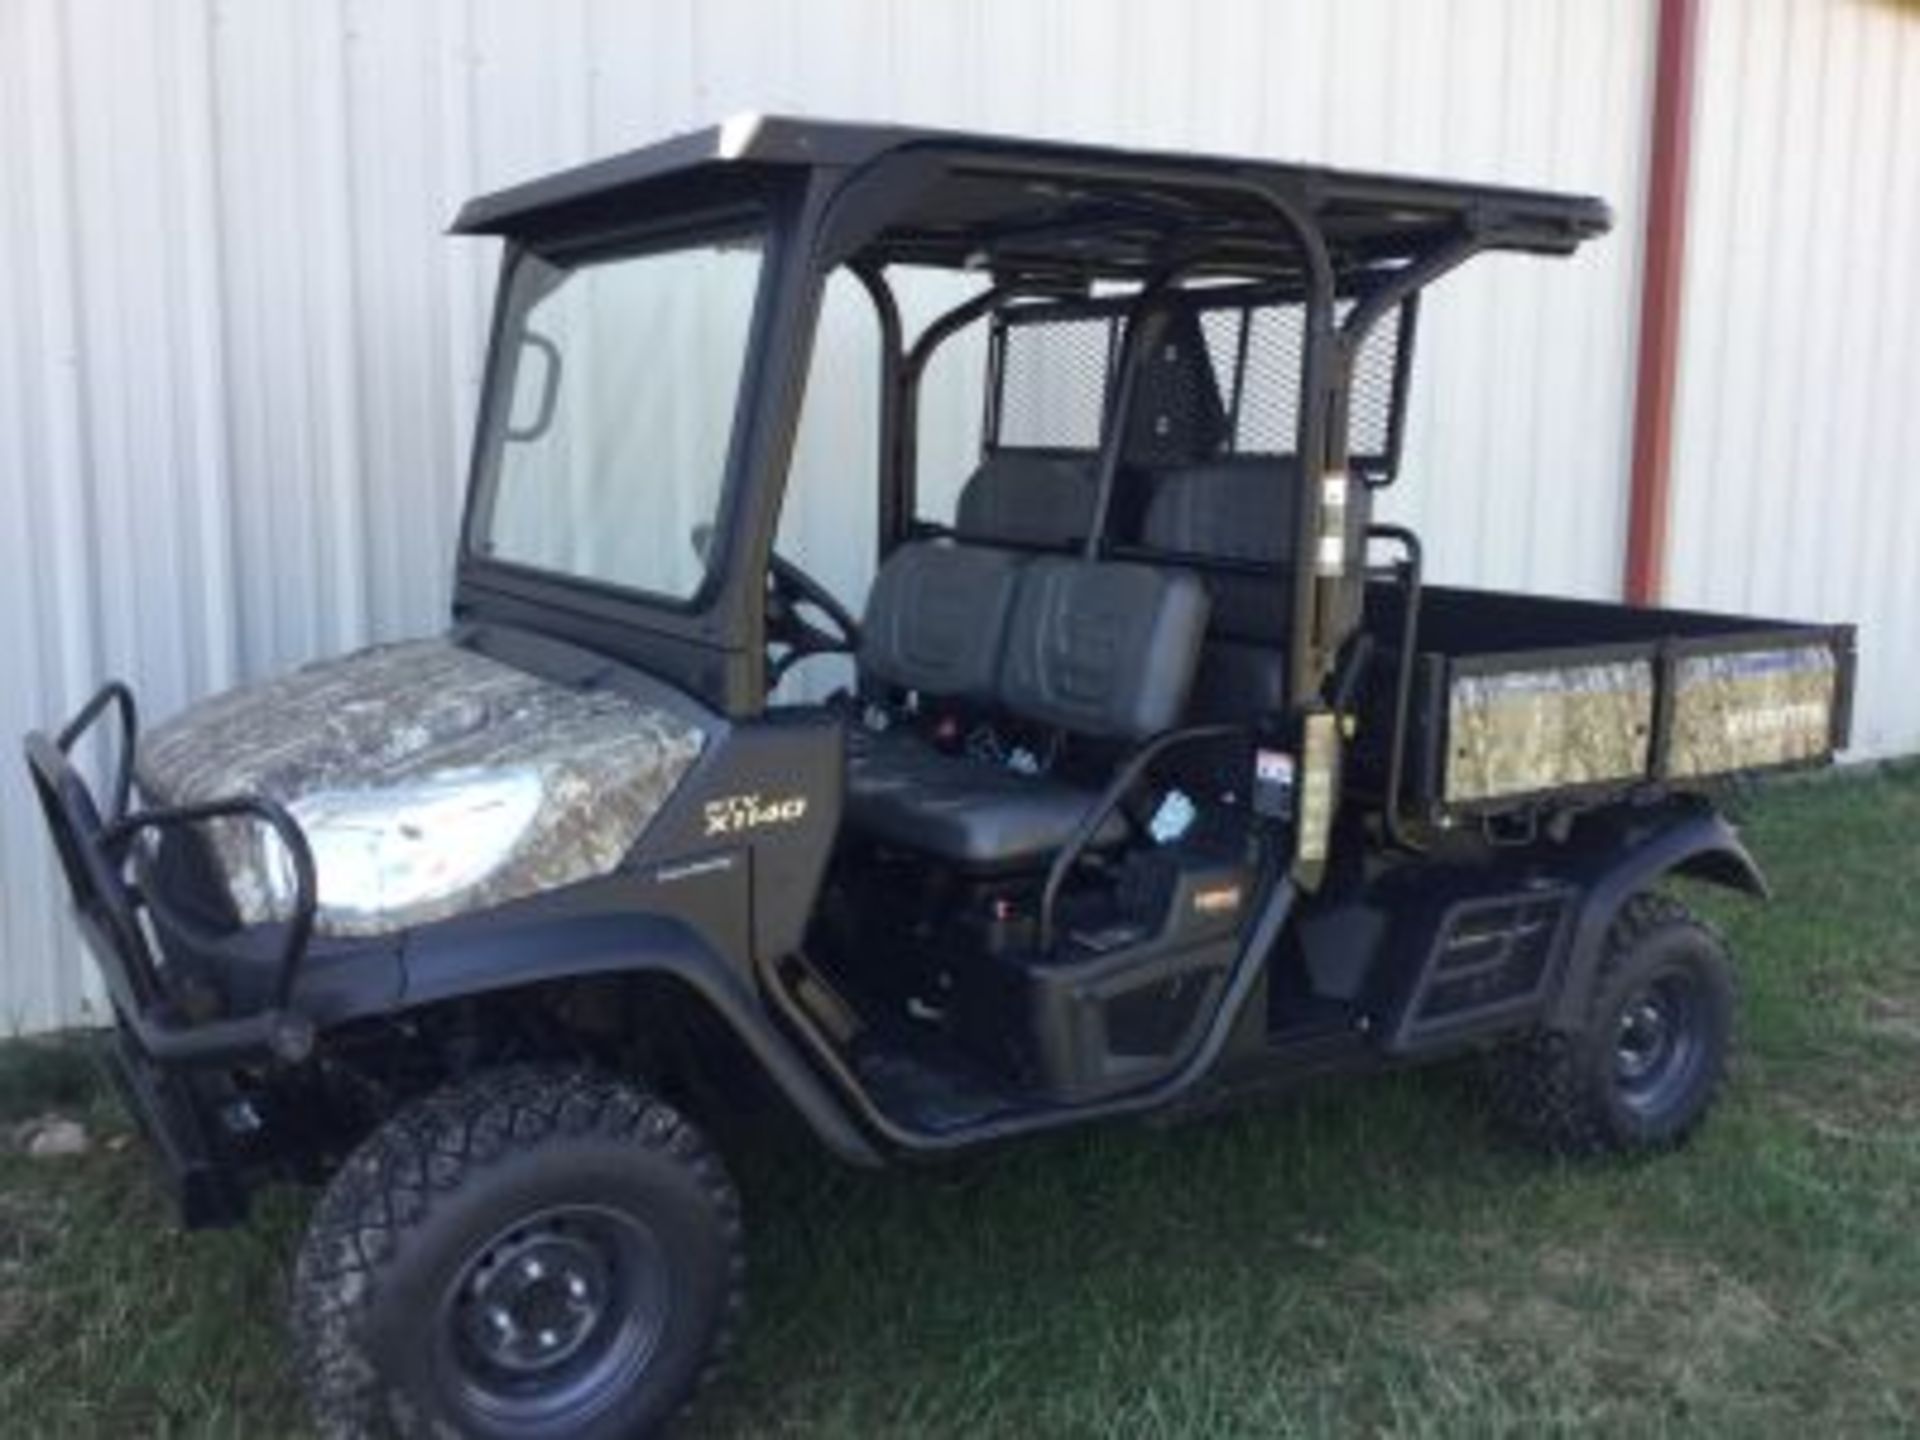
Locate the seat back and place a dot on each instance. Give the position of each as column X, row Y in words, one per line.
column 1102, row 648
column 1027, row 497
column 936, row 619
column 1239, row 510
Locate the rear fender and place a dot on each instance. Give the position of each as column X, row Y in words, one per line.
column 1701, row 845
column 493, row 960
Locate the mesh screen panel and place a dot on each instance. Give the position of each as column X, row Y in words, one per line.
column 1053, row 384
column 1269, row 418
column 1370, row 396
column 1221, row 329
column 1057, row 372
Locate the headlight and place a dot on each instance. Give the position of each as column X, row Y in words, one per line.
column 377, row 853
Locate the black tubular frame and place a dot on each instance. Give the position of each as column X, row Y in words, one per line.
column 1413, row 578
column 894, row 508
column 1117, row 789
column 1406, row 283
column 1326, row 609
column 1249, row 964
column 117, row 694
column 95, row 853
column 912, row 369
column 117, row 840
column 1290, row 210
column 1291, row 242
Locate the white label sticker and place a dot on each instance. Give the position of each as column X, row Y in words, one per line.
column 1273, row 767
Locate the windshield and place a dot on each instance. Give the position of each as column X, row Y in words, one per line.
column 616, row 386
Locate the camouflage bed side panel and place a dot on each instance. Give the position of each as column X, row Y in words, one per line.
column 1751, row 710
column 422, row 713
column 1529, row 730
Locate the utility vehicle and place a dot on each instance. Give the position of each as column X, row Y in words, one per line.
column 1155, row 773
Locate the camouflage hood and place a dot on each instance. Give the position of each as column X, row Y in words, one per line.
column 430, row 780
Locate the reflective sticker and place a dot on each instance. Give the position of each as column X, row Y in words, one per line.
column 1218, row 900
column 1330, row 557
column 1321, row 757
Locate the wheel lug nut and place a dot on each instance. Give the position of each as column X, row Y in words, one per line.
column 577, row 1288
column 499, row 1319
column 533, row 1269
column 548, row 1339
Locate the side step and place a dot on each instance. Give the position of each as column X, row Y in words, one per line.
column 913, row 1073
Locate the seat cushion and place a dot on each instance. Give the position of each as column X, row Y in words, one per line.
column 935, row 619
column 1102, row 648
column 972, row 813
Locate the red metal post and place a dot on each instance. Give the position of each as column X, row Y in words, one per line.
column 1663, row 262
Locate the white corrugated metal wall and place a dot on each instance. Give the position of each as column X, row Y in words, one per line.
column 237, row 361
column 1797, row 438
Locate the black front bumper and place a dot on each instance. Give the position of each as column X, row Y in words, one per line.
column 206, row 1190
column 164, row 1058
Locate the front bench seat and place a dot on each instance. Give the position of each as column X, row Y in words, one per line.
column 936, row 625
column 1093, row 648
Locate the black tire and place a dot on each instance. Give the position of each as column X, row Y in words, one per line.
column 528, row 1253
column 1645, row 1067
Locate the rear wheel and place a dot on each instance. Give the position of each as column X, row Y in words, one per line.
column 1645, row 1068
column 529, row 1253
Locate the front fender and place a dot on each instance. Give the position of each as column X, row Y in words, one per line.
column 1700, row 844
column 481, row 960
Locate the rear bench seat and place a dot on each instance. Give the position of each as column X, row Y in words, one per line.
column 1095, row 648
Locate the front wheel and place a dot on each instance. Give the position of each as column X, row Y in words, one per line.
column 1644, row 1069
column 528, row 1253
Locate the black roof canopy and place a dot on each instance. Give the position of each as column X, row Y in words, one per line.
column 1037, row 205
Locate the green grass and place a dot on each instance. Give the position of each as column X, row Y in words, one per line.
column 1362, row 1258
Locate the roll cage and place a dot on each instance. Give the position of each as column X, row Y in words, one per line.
column 1044, row 222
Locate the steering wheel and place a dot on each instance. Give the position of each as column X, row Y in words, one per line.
column 790, row 592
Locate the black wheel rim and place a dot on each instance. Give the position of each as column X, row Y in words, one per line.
column 553, row 1317
column 1658, row 1043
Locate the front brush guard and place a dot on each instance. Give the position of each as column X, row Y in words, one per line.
column 111, row 886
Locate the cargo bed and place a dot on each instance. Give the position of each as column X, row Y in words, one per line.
column 1582, row 699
